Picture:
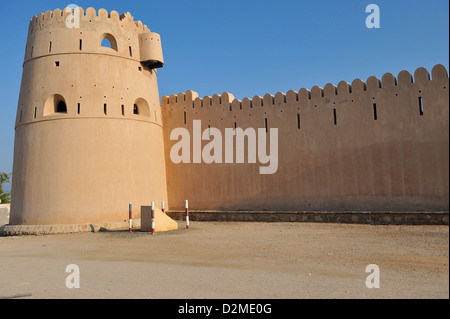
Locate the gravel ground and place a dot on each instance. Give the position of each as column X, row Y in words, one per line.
column 232, row 260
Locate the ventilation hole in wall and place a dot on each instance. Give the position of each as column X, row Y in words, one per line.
column 79, row 108
column 140, row 68
column 57, row 63
column 420, row 106
column 81, row 44
column 375, row 116
column 298, row 121
column 105, row 109
column 185, row 118
column 131, row 51
column 35, row 112
column 50, row 47
column 21, row 113
column 265, row 124
column 335, row 116
column 123, row 110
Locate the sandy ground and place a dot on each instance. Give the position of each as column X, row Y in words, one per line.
column 232, row 260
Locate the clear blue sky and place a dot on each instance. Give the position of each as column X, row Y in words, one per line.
column 251, row 47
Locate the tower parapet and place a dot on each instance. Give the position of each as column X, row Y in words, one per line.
column 65, row 32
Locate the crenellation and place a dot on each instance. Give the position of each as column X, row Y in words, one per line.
column 421, row 76
column 360, row 94
column 344, row 88
column 404, row 79
column 388, row 81
column 330, row 90
column 291, row 97
column 316, row 93
column 373, row 83
column 439, row 73
column 358, row 86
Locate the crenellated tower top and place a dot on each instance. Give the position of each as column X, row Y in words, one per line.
column 71, row 31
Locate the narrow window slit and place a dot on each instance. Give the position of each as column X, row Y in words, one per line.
column 79, row 108
column 335, row 116
column 35, row 112
column 105, row 109
column 184, row 118
column 81, row 44
column 298, row 121
column 375, row 115
column 420, row 106
column 50, row 47
column 123, row 110
column 265, row 123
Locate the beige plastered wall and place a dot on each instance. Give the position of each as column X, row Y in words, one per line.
column 398, row 161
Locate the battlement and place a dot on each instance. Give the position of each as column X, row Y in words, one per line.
column 329, row 95
column 59, row 17
column 83, row 32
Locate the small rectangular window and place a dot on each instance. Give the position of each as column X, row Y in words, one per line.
column 79, row 108
column 335, row 116
column 81, row 44
column 375, row 115
column 265, row 123
column 105, row 109
column 298, row 121
column 131, row 52
column 123, row 110
column 420, row 106
column 57, row 63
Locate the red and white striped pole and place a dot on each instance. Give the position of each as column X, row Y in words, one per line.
column 162, row 206
column 153, row 217
column 187, row 215
column 130, row 218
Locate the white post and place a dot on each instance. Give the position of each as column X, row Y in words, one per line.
column 153, row 217
column 187, row 215
column 130, row 216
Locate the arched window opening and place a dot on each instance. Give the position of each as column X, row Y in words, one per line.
column 141, row 107
column 108, row 41
column 55, row 104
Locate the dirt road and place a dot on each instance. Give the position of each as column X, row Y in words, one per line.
column 232, row 260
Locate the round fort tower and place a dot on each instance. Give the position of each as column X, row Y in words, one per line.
column 89, row 136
